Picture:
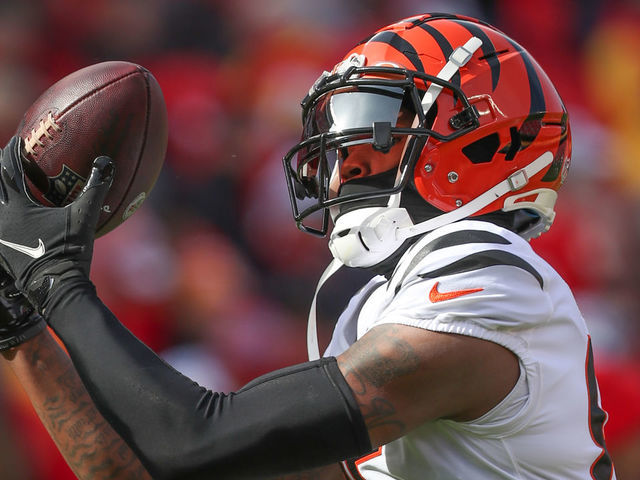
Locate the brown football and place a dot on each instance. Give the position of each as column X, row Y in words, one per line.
column 110, row 108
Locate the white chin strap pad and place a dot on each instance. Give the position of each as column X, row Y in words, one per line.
column 367, row 236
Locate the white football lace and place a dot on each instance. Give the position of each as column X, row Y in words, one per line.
column 46, row 124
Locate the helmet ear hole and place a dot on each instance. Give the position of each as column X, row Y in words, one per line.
column 483, row 150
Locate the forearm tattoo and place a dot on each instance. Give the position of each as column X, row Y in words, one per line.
column 370, row 365
column 90, row 446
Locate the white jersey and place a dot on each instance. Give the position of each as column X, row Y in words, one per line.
column 550, row 425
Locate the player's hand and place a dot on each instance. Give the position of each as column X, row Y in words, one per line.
column 19, row 321
column 47, row 250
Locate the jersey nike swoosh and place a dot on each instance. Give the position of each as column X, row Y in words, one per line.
column 34, row 252
column 436, row 296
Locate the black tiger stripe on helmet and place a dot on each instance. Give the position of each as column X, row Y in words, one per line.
column 489, row 52
column 400, row 44
column 537, row 104
column 445, row 46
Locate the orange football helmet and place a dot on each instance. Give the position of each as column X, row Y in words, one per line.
column 481, row 128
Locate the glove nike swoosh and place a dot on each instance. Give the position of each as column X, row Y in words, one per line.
column 33, row 252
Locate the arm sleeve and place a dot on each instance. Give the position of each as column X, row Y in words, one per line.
column 292, row 419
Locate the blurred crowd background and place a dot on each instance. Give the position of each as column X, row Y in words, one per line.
column 212, row 272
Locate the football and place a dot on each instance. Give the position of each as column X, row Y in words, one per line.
column 112, row 108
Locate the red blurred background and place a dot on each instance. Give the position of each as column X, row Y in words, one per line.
column 212, row 272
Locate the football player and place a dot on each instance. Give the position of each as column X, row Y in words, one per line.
column 436, row 148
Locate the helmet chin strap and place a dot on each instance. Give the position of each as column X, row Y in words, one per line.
column 367, row 236
column 512, row 183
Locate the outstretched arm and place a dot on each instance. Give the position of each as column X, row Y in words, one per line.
column 88, row 443
column 90, row 446
column 294, row 419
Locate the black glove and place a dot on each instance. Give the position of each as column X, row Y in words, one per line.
column 19, row 321
column 47, row 250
